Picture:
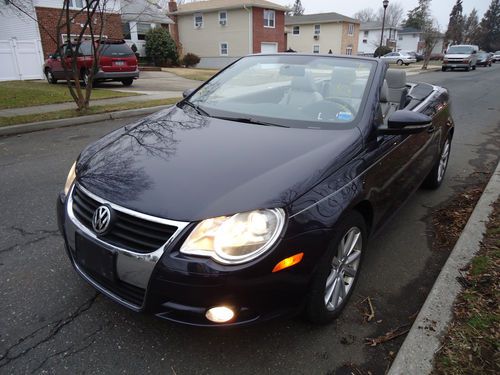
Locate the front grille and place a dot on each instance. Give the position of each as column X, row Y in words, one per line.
column 127, row 231
column 125, row 291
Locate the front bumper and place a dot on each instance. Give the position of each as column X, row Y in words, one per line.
column 116, row 76
column 180, row 288
column 457, row 65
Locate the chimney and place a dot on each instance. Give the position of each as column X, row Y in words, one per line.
column 174, row 28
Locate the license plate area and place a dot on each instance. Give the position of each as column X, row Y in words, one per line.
column 94, row 258
column 119, row 63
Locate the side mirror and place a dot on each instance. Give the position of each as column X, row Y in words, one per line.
column 405, row 122
column 187, row 92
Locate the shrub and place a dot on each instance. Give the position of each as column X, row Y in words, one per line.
column 160, row 47
column 381, row 51
column 190, row 59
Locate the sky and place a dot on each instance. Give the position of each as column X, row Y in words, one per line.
column 440, row 8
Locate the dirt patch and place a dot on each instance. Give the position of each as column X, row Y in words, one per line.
column 471, row 345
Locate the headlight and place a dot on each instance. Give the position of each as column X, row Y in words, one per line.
column 70, row 179
column 238, row 238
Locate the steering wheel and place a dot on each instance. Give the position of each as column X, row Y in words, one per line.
column 328, row 110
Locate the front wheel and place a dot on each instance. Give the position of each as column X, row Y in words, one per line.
column 436, row 177
column 443, row 69
column 473, row 67
column 400, row 62
column 338, row 270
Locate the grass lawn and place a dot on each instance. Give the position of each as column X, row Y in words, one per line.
column 192, row 73
column 68, row 113
column 16, row 94
column 472, row 343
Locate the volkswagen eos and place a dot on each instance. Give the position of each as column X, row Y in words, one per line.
column 257, row 194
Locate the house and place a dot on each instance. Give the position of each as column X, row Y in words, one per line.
column 221, row 31
column 322, row 33
column 370, row 35
column 27, row 39
column 411, row 39
column 138, row 17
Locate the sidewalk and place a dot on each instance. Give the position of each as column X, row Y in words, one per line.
column 147, row 96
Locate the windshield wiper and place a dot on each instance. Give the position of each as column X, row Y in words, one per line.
column 196, row 108
column 249, row 120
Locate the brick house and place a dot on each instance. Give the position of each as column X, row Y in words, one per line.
column 221, row 31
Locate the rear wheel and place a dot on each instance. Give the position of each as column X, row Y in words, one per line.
column 127, row 81
column 473, row 67
column 443, row 69
column 400, row 62
column 86, row 77
column 436, row 177
column 338, row 271
column 50, row 77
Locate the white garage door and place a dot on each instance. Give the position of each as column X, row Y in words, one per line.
column 20, row 59
column 269, row 47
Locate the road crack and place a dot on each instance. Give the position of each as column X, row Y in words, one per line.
column 58, row 325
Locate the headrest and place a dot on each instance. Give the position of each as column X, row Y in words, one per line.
column 304, row 83
column 384, row 92
column 396, row 78
column 343, row 75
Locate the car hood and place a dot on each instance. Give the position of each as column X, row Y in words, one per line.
column 183, row 166
column 457, row 56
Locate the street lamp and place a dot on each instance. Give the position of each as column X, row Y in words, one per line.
column 385, row 3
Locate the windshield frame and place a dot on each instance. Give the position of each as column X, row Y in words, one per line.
column 290, row 122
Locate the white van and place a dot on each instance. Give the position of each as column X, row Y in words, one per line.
column 460, row 56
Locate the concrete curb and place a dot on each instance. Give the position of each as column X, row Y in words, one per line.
column 51, row 124
column 416, row 355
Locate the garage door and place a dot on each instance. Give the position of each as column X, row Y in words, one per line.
column 269, row 47
column 20, row 59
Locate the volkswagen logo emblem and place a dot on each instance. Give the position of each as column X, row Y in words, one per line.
column 101, row 219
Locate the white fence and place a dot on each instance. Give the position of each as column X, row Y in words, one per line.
column 21, row 59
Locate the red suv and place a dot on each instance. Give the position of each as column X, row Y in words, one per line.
column 117, row 62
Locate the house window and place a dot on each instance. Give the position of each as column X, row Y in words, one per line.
column 365, row 41
column 366, row 33
column 296, row 30
column 223, row 17
column 142, row 30
column 76, row 4
column 350, row 29
column 348, row 50
column 126, row 30
column 317, row 29
column 224, row 49
column 316, row 48
column 198, row 20
column 269, row 18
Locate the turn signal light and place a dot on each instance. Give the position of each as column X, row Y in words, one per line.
column 288, row 262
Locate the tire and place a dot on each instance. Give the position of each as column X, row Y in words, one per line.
column 467, row 69
column 436, row 176
column 50, row 77
column 317, row 310
column 85, row 77
column 474, row 67
column 399, row 62
column 443, row 69
column 408, row 64
column 127, row 81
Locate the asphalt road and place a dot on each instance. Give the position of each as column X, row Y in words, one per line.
column 53, row 322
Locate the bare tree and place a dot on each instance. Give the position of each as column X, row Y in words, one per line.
column 394, row 14
column 430, row 37
column 365, row 15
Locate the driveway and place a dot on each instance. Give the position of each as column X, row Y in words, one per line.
column 154, row 83
column 51, row 321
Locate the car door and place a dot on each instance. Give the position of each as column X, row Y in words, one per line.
column 56, row 65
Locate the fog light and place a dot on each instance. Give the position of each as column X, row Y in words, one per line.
column 220, row 314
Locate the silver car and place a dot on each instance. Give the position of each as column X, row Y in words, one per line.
column 496, row 56
column 399, row 58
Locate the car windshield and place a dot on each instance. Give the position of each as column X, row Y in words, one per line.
column 460, row 50
column 482, row 54
column 285, row 90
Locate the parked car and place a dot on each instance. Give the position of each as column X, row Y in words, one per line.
column 495, row 57
column 418, row 56
column 117, row 62
column 463, row 56
column 257, row 195
column 483, row 59
column 399, row 58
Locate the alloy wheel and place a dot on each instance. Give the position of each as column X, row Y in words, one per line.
column 344, row 269
column 443, row 161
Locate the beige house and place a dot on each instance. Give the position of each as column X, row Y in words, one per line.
column 220, row 31
column 322, row 33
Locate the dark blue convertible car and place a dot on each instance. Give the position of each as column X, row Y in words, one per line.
column 256, row 195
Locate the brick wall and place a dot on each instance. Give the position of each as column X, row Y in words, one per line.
column 349, row 40
column 49, row 17
column 266, row 34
